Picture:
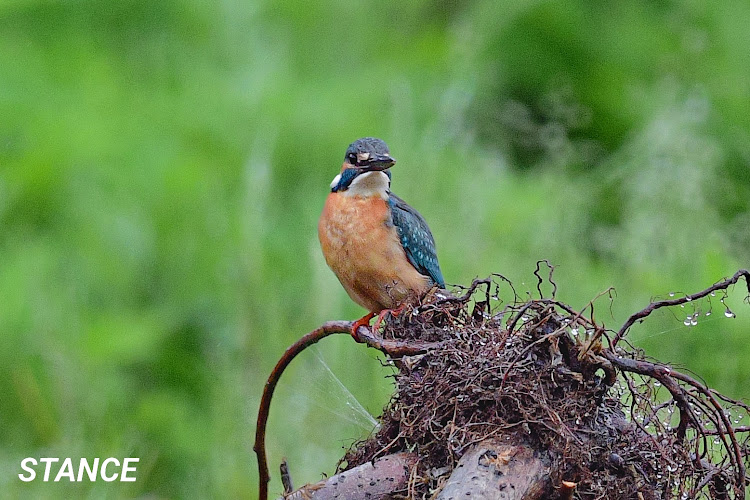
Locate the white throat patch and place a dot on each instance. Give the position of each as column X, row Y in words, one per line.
column 335, row 181
column 369, row 184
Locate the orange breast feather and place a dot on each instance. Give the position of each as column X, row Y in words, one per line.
column 362, row 248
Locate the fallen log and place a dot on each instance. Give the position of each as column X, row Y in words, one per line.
column 377, row 480
column 494, row 470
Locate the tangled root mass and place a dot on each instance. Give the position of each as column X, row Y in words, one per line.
column 538, row 372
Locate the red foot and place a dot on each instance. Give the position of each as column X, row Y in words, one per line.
column 394, row 312
column 363, row 321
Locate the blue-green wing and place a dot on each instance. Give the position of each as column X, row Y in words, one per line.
column 416, row 239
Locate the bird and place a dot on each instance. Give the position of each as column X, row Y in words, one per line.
column 379, row 247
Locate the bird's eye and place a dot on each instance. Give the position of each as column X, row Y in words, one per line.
column 352, row 158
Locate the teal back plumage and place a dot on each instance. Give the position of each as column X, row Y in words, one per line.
column 416, row 239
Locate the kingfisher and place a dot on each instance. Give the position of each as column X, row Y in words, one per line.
column 379, row 247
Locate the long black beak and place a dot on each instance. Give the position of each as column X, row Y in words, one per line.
column 378, row 163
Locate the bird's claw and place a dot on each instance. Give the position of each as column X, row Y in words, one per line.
column 363, row 321
column 394, row 312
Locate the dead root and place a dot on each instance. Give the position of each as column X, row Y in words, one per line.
column 606, row 421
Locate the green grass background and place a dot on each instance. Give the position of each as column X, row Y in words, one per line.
column 163, row 165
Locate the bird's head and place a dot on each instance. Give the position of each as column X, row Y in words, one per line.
column 366, row 165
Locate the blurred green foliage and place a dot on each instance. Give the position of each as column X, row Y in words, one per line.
column 163, row 165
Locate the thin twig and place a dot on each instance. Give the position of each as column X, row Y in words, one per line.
column 286, row 477
column 722, row 285
column 469, row 292
column 668, row 378
column 540, row 280
column 363, row 335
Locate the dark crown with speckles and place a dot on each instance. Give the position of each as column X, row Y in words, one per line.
column 370, row 145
